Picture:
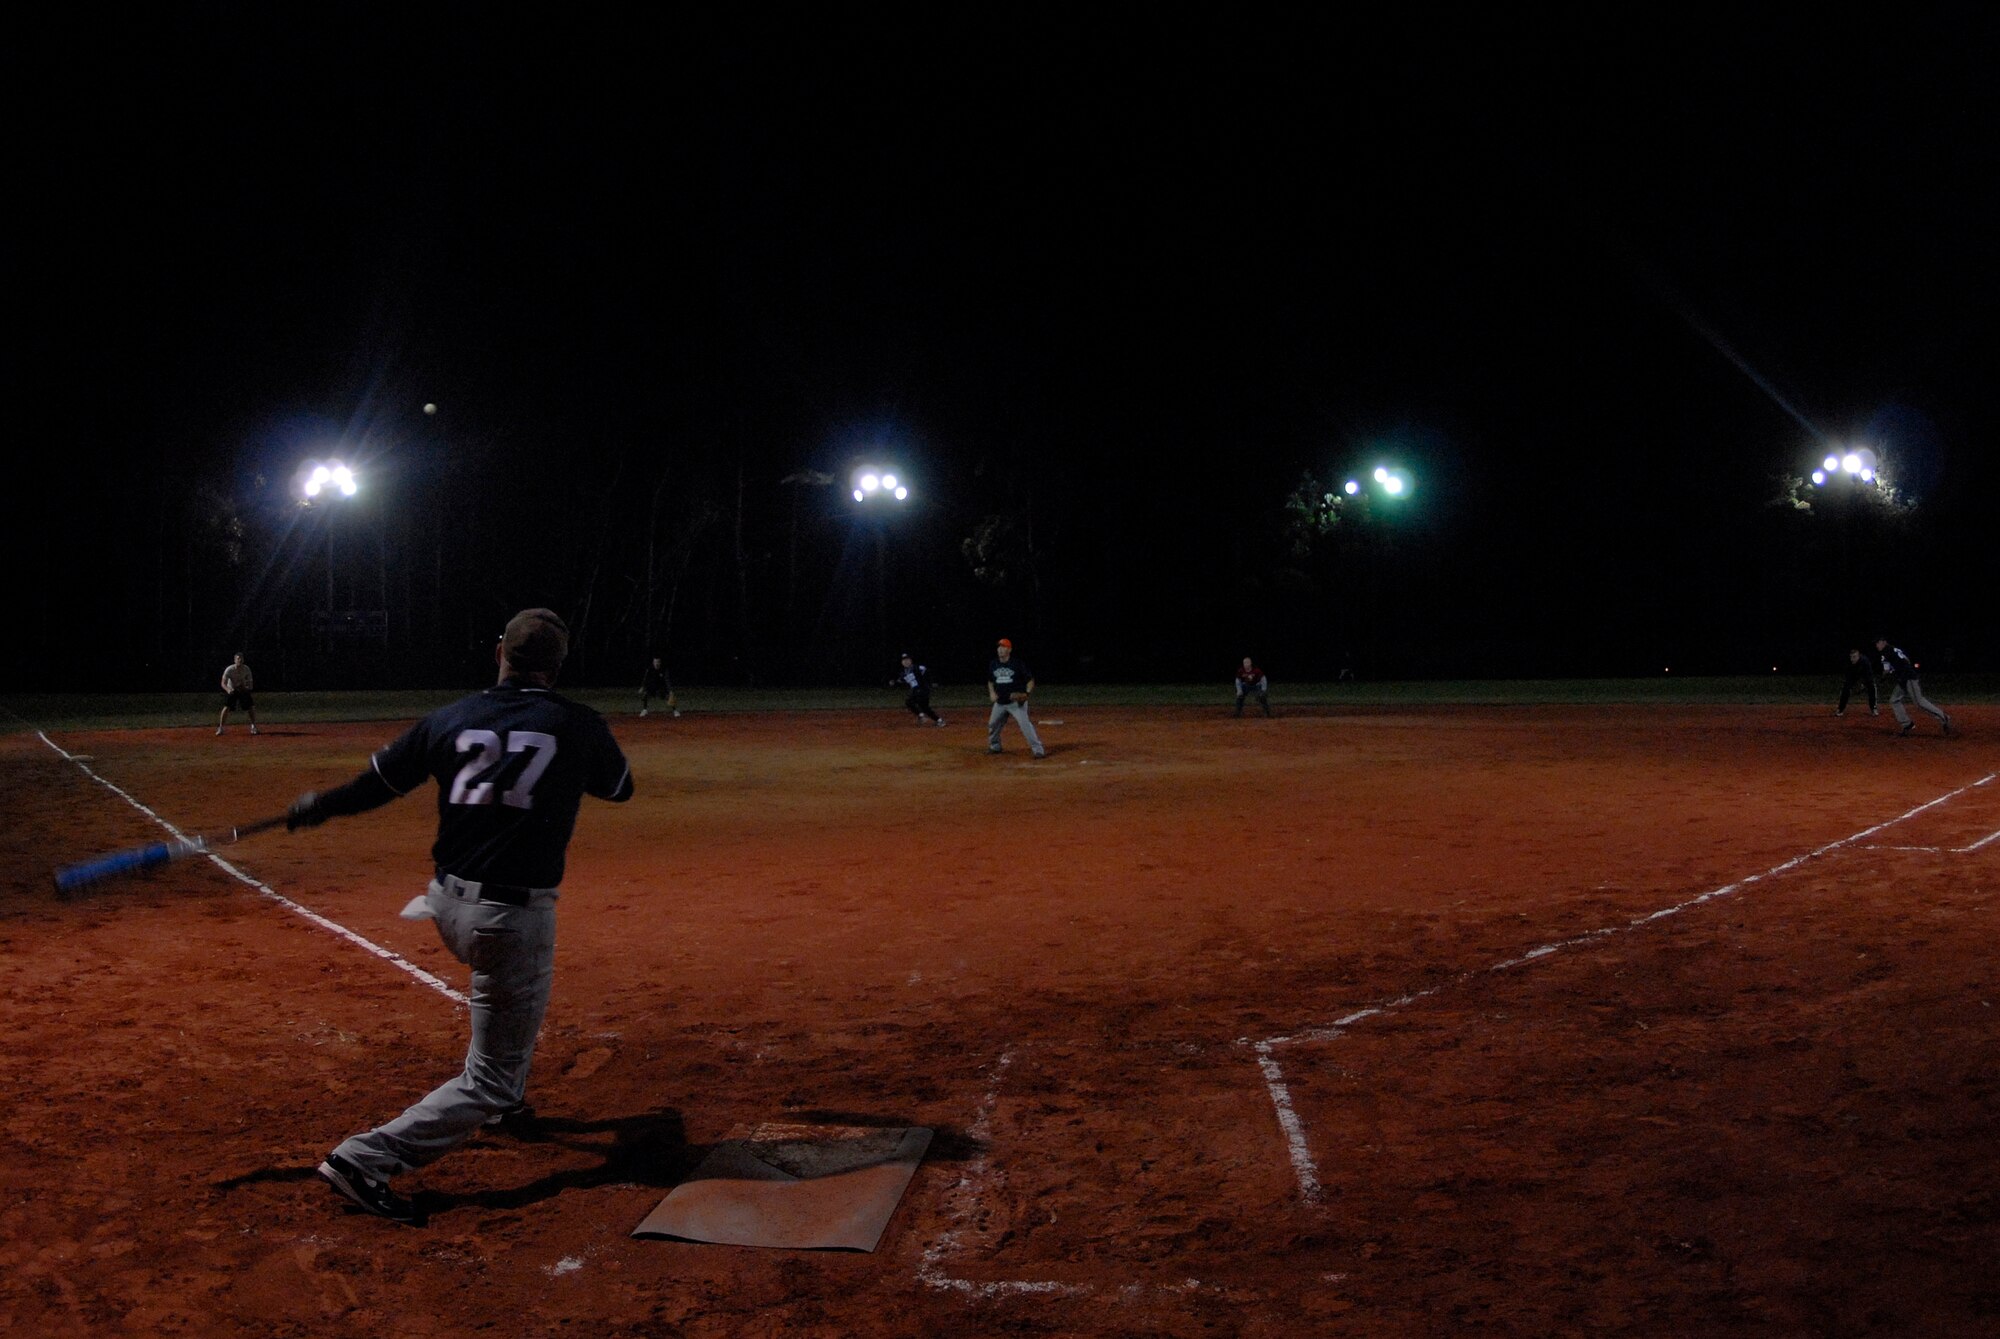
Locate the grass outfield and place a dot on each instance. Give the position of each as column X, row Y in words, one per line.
column 74, row 711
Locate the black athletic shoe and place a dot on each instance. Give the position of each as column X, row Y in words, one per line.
column 513, row 1118
column 1909, row 728
column 365, row 1191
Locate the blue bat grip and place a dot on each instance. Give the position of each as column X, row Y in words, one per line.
column 75, row 876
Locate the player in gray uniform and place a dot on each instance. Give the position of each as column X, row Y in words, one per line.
column 1008, row 684
column 1897, row 664
column 512, row 765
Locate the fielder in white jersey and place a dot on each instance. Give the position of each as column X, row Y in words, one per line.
column 237, row 681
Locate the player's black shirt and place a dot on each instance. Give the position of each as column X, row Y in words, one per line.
column 512, row 766
column 1896, row 663
column 656, row 684
column 1008, row 677
column 915, row 677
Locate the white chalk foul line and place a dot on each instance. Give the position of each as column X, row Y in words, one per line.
column 333, row 927
column 963, row 1199
column 1307, row 1171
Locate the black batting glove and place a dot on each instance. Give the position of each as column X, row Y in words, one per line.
column 305, row 812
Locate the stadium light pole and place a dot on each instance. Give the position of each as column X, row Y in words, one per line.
column 1393, row 484
column 877, row 489
column 319, row 483
column 1845, row 473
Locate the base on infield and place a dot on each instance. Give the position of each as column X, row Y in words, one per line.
column 802, row 1187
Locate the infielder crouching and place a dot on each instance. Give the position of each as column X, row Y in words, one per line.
column 1252, row 681
column 512, row 766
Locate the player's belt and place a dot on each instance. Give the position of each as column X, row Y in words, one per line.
column 506, row 894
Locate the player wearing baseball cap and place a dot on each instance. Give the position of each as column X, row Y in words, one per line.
column 1008, row 684
column 917, row 679
column 512, row 765
column 1897, row 665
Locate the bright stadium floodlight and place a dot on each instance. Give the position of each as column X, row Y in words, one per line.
column 1851, row 463
column 871, row 481
column 1381, row 474
column 1350, row 488
column 1392, row 486
column 1867, row 476
column 318, row 479
column 1819, row 478
column 1830, row 464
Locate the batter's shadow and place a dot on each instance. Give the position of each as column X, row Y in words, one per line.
column 650, row 1149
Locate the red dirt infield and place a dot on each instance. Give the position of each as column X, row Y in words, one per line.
column 1775, row 1112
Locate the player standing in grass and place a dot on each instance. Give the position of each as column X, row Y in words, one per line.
column 657, row 684
column 917, row 679
column 237, row 681
column 512, row 765
column 1897, row 664
column 1860, row 670
column 1008, row 684
column 1251, row 680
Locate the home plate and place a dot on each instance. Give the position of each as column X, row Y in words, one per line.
column 802, row 1187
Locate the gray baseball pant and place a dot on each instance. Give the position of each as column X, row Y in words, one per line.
column 998, row 717
column 512, row 953
column 1915, row 693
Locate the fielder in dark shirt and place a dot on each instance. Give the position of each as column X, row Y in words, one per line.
column 1897, row 665
column 657, row 684
column 917, row 679
column 1860, row 670
column 1009, row 682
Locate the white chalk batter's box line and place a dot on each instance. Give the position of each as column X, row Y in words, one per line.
column 962, row 1199
column 1985, row 841
column 1306, row 1170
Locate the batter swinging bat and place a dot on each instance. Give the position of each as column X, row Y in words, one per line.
column 71, row 877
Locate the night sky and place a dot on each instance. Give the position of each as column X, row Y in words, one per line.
column 1105, row 289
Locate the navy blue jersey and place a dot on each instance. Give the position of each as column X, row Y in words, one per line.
column 1896, row 663
column 915, row 677
column 1008, row 677
column 512, row 766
